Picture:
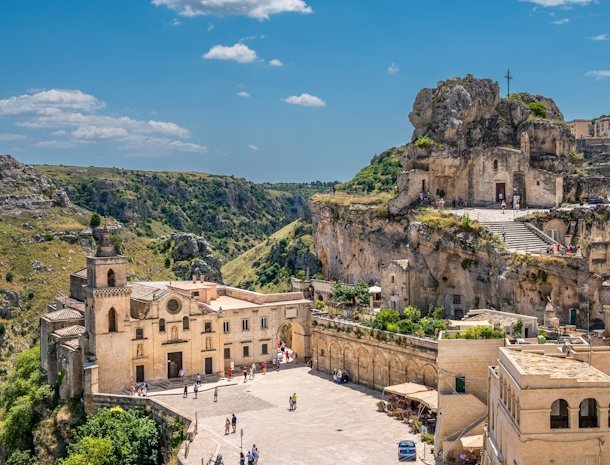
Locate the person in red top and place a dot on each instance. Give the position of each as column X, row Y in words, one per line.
column 230, row 373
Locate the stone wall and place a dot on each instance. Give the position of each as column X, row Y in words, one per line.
column 373, row 358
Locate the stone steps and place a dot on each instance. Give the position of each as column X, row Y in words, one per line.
column 518, row 236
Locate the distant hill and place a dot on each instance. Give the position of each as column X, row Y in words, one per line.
column 232, row 214
column 380, row 175
column 269, row 265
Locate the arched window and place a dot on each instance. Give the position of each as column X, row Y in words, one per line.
column 495, row 165
column 560, row 417
column 161, row 325
column 587, row 414
column 185, row 322
column 111, row 280
column 112, row 321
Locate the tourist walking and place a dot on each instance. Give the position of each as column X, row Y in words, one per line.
column 274, row 361
column 245, row 374
column 216, row 394
column 185, row 393
column 196, row 389
column 255, row 453
column 294, row 400
column 242, row 459
column 250, row 458
column 290, row 404
column 253, row 369
column 264, row 368
column 230, row 373
column 234, row 422
column 181, row 374
column 198, row 378
column 227, row 426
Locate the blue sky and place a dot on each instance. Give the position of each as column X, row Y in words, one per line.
column 194, row 85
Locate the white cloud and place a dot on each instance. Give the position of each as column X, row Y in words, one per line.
column 393, row 68
column 73, row 118
column 210, row 27
column 305, row 100
column 600, row 37
column 238, row 52
column 175, row 22
column 259, row 9
column 276, row 62
column 599, row 74
column 561, row 22
column 552, row 3
column 253, row 147
column 49, row 102
column 9, row 137
column 243, row 94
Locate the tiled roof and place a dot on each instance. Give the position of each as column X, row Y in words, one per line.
column 74, row 330
column 70, row 302
column 404, row 264
column 64, row 314
column 81, row 273
column 73, row 344
column 147, row 292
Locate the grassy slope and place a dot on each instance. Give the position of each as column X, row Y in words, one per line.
column 38, row 287
column 248, row 267
column 233, row 214
column 380, row 175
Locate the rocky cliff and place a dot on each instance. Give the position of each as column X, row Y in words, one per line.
column 467, row 112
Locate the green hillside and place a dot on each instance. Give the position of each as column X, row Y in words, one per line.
column 380, row 175
column 269, row 265
column 233, row 214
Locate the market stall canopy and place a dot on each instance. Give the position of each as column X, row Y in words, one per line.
column 472, row 442
column 427, row 398
column 418, row 392
column 405, row 389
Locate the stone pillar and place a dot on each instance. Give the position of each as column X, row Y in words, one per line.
column 574, row 416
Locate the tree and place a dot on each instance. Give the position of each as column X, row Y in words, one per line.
column 95, row 220
column 385, row 318
column 91, row 451
column 20, row 457
column 412, row 314
column 517, row 328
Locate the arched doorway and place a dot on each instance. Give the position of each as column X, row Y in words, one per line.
column 292, row 336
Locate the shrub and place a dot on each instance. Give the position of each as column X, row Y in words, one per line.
column 482, row 332
column 20, row 457
column 48, row 236
column 95, row 220
column 9, row 276
column 538, row 109
column 517, row 328
column 424, row 142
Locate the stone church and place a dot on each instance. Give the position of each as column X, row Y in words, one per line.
column 110, row 332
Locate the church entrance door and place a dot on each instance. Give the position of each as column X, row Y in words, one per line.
column 174, row 364
column 139, row 373
column 500, row 191
column 208, row 366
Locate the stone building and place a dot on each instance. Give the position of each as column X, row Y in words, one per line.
column 396, row 285
column 547, row 406
column 124, row 331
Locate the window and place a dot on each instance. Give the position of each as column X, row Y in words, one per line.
column 244, row 325
column 321, row 352
column 226, row 327
column 460, row 384
column 495, row 165
column 227, row 353
column 264, row 322
column 587, row 414
column 246, row 350
column 173, row 306
column 392, row 279
column 265, row 349
column 161, row 325
column 112, row 321
column 457, row 299
column 111, row 278
column 560, row 417
column 207, row 327
column 208, row 343
column 185, row 323
column 139, row 333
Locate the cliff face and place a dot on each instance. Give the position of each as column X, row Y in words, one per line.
column 356, row 243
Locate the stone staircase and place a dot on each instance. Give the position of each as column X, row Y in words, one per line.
column 518, row 236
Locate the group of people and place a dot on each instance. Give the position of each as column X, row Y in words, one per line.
column 251, row 456
column 292, row 402
column 139, row 389
column 558, row 249
column 185, row 392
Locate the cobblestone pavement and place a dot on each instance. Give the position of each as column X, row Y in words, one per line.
column 333, row 424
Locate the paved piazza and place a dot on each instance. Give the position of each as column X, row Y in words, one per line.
column 333, row 423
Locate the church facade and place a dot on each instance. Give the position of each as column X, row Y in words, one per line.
column 110, row 332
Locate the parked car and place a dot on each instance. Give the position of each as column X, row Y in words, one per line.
column 596, row 199
column 407, row 451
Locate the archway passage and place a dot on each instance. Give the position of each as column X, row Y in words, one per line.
column 291, row 336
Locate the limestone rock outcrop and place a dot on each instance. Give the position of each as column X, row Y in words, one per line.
column 192, row 255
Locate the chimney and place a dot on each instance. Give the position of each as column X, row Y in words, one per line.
column 201, row 278
column 194, row 279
